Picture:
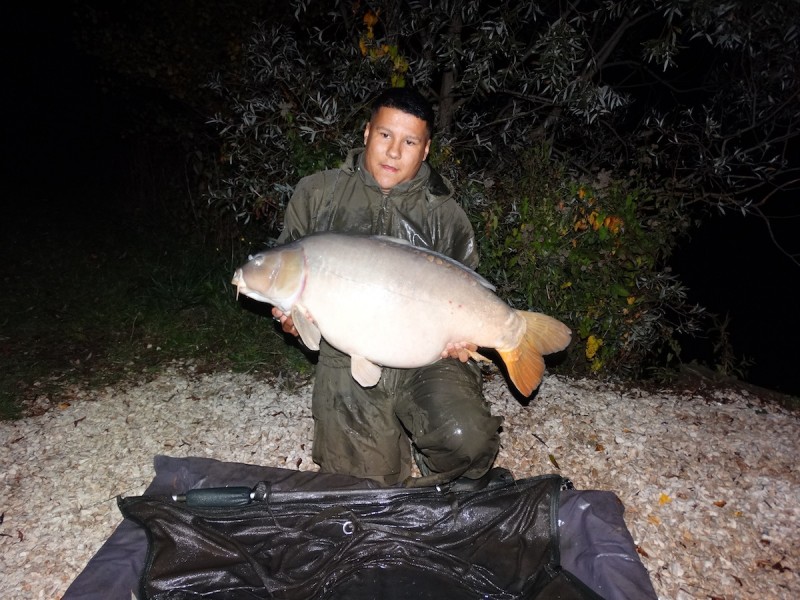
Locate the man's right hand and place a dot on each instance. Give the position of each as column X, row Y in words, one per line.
column 287, row 324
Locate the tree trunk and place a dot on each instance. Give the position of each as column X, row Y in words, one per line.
column 447, row 101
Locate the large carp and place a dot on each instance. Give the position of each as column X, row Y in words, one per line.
column 388, row 303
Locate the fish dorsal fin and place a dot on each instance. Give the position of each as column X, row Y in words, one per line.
column 444, row 258
column 365, row 372
column 308, row 331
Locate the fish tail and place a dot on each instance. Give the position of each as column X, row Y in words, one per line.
column 525, row 362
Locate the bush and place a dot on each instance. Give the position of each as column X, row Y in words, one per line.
column 589, row 251
column 290, row 113
column 591, row 254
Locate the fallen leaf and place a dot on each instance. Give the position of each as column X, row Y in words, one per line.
column 720, row 503
column 780, row 568
column 554, row 461
column 768, row 564
column 63, row 405
column 664, row 499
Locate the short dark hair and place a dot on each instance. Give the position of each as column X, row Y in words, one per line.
column 409, row 101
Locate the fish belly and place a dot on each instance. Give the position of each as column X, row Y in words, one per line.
column 397, row 306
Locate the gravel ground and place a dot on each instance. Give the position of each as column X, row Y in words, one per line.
column 709, row 480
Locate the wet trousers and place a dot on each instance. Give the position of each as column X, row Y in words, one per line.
column 365, row 431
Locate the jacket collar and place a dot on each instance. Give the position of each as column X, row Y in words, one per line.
column 437, row 188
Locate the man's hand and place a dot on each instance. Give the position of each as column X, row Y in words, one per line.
column 287, row 324
column 459, row 350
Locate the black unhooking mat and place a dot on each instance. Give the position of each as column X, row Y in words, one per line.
column 302, row 535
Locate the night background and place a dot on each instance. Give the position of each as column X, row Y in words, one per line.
column 72, row 144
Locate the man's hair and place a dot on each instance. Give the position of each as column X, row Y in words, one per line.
column 409, row 101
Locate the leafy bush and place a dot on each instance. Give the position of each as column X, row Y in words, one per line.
column 505, row 78
column 592, row 255
column 286, row 118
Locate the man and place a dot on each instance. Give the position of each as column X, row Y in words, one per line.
column 387, row 188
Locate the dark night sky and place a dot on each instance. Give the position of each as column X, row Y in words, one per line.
column 733, row 267
column 59, row 137
column 60, row 130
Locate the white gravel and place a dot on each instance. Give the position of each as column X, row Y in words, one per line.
column 710, row 483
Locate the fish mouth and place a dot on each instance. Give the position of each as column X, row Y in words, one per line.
column 241, row 288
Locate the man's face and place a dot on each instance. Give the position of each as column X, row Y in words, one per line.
column 397, row 143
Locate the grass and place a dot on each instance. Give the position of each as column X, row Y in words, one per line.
column 95, row 303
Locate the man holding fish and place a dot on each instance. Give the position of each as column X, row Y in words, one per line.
column 364, row 413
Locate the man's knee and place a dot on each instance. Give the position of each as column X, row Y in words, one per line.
column 450, row 422
column 471, row 446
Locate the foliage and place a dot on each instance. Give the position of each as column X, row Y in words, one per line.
column 686, row 105
column 698, row 98
column 591, row 254
column 598, row 85
column 106, row 299
column 284, row 120
column 729, row 140
column 726, row 362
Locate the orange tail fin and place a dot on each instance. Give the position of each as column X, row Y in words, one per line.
column 543, row 335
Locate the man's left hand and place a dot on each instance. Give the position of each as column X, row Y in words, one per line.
column 459, row 350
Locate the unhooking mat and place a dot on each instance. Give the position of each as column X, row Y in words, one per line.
column 313, row 535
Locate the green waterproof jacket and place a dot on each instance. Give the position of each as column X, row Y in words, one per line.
column 349, row 200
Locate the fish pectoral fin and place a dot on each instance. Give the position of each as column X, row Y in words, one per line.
column 307, row 329
column 364, row 371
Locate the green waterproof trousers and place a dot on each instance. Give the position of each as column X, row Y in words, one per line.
column 365, row 431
